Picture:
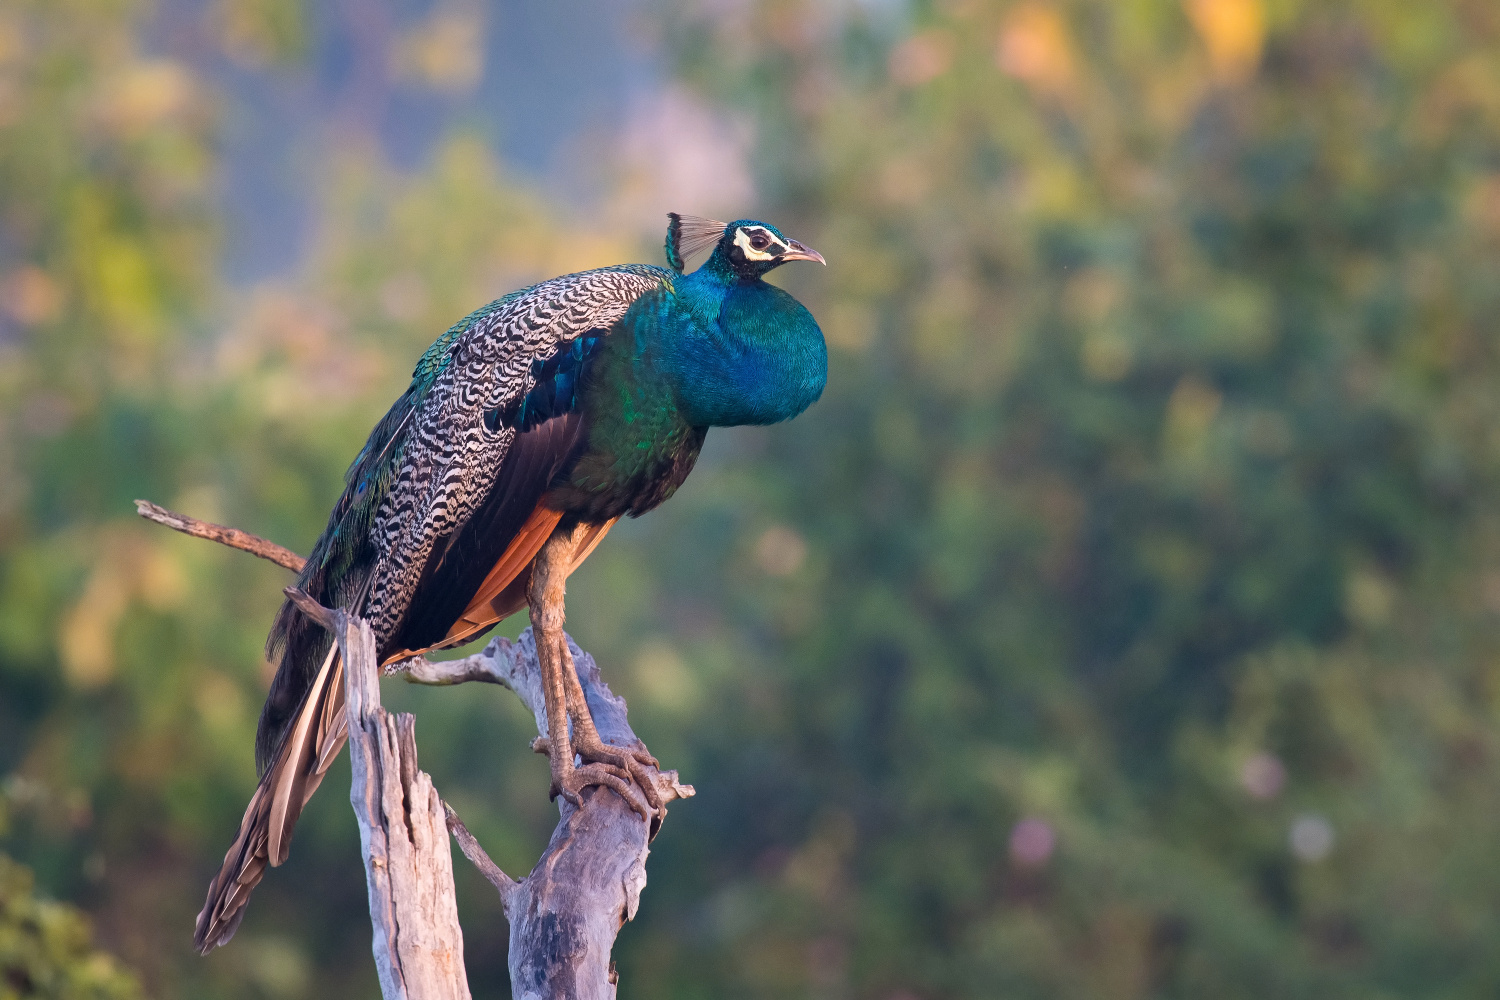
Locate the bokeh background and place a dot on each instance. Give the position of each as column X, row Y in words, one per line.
column 1124, row 622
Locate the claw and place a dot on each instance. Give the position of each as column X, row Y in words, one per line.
column 576, row 780
column 631, row 760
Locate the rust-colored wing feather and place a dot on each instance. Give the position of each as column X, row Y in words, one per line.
column 321, row 728
column 504, row 590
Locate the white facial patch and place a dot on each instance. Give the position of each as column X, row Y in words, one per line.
column 742, row 240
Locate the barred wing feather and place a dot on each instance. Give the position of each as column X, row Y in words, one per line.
column 430, row 464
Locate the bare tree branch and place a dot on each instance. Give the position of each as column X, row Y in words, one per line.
column 565, row 915
column 232, row 537
column 513, row 665
column 443, row 673
column 403, row 831
column 326, row 617
column 476, row 854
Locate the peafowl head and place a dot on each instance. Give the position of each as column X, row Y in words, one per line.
column 745, row 248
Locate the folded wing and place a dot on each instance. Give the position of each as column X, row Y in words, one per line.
column 433, row 537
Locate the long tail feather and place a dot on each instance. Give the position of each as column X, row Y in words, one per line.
column 317, row 734
column 296, row 764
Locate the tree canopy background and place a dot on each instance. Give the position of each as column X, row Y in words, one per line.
column 1125, row 621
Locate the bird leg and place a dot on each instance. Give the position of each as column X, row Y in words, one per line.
column 603, row 765
column 588, row 745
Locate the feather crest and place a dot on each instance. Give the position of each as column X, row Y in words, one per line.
column 688, row 235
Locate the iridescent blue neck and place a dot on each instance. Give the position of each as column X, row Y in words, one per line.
column 753, row 355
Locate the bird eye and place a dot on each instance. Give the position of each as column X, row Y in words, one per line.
column 760, row 241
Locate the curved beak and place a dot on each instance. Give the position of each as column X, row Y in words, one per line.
column 800, row 252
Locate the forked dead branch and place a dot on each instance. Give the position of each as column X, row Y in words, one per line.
column 565, row 914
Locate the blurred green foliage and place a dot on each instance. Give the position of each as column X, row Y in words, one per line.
column 45, row 951
column 1122, row 623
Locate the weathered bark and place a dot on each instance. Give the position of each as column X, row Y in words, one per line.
column 565, row 915
column 403, row 834
column 232, row 537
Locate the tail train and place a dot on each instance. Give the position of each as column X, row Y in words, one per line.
column 313, row 741
column 314, row 734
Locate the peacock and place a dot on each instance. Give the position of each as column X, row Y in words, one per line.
column 529, row 428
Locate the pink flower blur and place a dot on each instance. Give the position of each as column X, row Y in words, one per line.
column 1031, row 842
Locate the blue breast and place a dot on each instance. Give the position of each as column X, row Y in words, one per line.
column 762, row 362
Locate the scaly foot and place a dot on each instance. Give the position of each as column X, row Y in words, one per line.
column 631, row 760
column 569, row 782
column 611, row 766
